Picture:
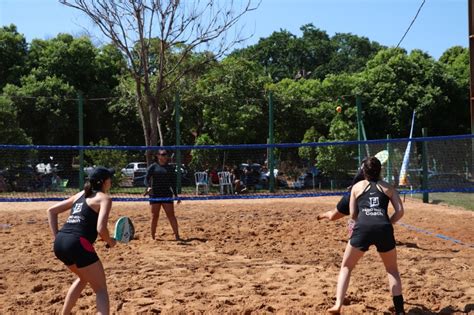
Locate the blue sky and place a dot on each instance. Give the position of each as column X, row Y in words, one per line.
column 441, row 23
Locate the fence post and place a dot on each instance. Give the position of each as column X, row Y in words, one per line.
column 359, row 126
column 271, row 165
column 389, row 160
column 424, row 186
column 80, row 105
column 177, row 112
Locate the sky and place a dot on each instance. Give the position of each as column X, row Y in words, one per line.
column 440, row 25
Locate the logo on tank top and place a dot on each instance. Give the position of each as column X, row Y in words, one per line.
column 75, row 216
column 373, row 202
column 77, row 208
column 374, row 209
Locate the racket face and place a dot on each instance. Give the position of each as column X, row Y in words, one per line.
column 124, row 230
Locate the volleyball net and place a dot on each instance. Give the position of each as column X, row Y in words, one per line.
column 285, row 170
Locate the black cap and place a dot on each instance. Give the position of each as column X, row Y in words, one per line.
column 101, row 173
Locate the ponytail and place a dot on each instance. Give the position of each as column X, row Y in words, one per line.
column 90, row 188
column 87, row 189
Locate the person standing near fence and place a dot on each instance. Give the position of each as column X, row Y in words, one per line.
column 73, row 244
column 368, row 208
column 161, row 182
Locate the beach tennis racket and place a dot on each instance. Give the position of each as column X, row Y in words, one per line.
column 124, row 230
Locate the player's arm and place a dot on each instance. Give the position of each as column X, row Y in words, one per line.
column 57, row 209
column 102, row 221
column 148, row 180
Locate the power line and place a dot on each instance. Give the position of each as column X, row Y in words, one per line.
column 413, row 21
column 54, row 98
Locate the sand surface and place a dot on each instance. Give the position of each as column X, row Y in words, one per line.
column 242, row 257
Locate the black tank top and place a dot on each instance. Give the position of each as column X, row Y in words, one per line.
column 162, row 179
column 372, row 205
column 82, row 221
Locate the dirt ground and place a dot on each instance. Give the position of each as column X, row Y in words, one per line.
column 242, row 257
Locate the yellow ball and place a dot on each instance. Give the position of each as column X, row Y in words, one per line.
column 339, row 109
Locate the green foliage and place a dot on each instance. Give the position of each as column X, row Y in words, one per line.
column 204, row 159
column 10, row 131
column 313, row 55
column 13, row 52
column 232, row 104
column 394, row 84
column 42, row 110
column 115, row 159
column 309, row 153
column 337, row 159
column 228, row 99
column 456, row 60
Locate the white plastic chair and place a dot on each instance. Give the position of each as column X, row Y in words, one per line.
column 225, row 182
column 202, row 180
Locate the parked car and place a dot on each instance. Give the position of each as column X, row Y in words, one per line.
column 306, row 181
column 133, row 167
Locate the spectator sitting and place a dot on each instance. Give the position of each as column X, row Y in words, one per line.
column 251, row 177
column 236, row 177
column 55, row 182
column 213, row 176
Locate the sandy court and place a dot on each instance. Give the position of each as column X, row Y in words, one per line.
column 242, row 257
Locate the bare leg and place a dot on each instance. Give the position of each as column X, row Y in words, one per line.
column 155, row 215
column 94, row 275
column 349, row 261
column 390, row 262
column 331, row 215
column 73, row 293
column 169, row 210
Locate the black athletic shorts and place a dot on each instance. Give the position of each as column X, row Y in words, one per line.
column 74, row 250
column 343, row 204
column 379, row 235
column 158, row 196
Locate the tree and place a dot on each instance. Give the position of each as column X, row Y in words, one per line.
column 115, row 159
column 456, row 60
column 10, row 130
column 13, row 51
column 232, row 102
column 309, row 153
column 43, row 109
column 284, row 55
column 203, row 159
column 156, row 37
column 337, row 159
column 396, row 83
column 350, row 54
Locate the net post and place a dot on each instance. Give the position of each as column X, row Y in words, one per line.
column 389, row 160
column 359, row 127
column 424, row 186
column 271, row 165
column 80, row 105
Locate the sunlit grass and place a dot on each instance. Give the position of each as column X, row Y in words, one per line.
column 463, row 200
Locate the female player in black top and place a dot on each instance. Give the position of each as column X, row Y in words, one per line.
column 73, row 244
column 368, row 207
column 161, row 180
